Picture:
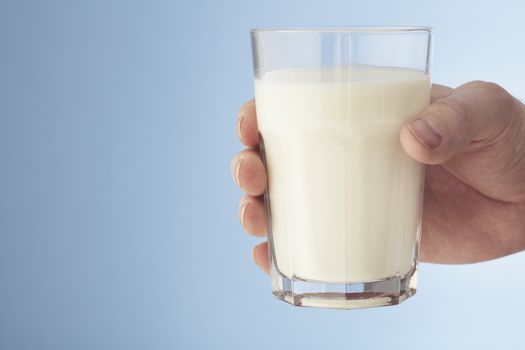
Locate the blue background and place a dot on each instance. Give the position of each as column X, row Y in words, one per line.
column 118, row 226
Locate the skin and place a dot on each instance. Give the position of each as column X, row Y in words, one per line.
column 474, row 203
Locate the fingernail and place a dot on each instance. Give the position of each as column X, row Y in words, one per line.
column 236, row 170
column 424, row 131
column 240, row 119
column 242, row 210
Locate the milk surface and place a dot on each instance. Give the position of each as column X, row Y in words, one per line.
column 344, row 196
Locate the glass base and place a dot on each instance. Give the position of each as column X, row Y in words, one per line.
column 385, row 292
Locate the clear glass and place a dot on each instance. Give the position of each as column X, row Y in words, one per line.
column 343, row 199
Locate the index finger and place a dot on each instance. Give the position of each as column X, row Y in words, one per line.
column 440, row 91
column 247, row 124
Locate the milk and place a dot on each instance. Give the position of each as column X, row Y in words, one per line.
column 345, row 198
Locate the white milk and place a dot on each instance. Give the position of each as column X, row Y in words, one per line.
column 345, row 198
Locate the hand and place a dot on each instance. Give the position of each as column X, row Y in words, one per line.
column 473, row 140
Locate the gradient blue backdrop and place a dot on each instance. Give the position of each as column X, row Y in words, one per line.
column 118, row 226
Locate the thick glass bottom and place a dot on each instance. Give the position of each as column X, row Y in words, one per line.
column 385, row 292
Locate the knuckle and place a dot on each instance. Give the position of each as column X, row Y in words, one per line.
column 503, row 102
column 492, row 87
column 491, row 90
column 457, row 107
column 486, row 86
column 474, row 84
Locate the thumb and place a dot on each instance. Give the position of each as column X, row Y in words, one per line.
column 474, row 111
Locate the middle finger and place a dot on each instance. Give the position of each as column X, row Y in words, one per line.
column 253, row 216
column 249, row 173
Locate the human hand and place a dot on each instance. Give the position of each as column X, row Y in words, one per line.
column 473, row 140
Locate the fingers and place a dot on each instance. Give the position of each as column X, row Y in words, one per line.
column 439, row 91
column 253, row 216
column 247, row 124
column 249, row 173
column 260, row 256
column 472, row 112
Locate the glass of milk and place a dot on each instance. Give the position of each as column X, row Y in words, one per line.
column 343, row 199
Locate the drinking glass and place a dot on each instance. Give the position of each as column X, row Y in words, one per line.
column 343, row 199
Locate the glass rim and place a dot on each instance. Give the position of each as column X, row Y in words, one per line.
column 349, row 29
